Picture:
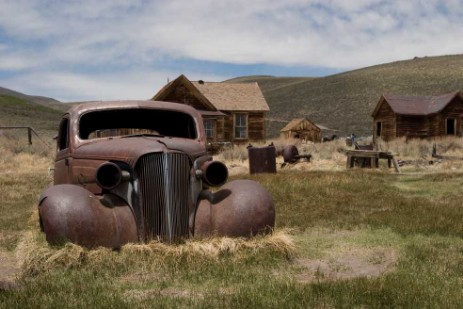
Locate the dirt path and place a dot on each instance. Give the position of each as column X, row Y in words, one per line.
column 364, row 263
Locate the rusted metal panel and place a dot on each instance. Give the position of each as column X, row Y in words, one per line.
column 262, row 159
column 242, row 208
column 164, row 195
column 71, row 213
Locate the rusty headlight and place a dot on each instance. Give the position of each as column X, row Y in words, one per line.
column 213, row 173
column 109, row 175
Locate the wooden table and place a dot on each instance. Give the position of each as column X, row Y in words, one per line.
column 370, row 156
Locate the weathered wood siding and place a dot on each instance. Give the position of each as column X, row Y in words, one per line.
column 304, row 130
column 412, row 126
column 256, row 127
column 228, row 127
column 434, row 125
column 220, row 129
column 453, row 110
column 387, row 117
column 181, row 94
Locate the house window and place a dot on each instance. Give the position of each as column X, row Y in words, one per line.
column 241, row 127
column 209, row 127
column 450, row 126
column 378, row 129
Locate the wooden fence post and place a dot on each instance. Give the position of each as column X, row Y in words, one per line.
column 29, row 135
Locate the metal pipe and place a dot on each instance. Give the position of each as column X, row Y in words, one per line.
column 213, row 173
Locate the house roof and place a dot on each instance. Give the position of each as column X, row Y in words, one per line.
column 417, row 105
column 231, row 96
column 293, row 123
column 221, row 96
column 211, row 113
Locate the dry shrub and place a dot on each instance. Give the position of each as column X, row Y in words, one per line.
column 37, row 257
column 331, row 155
column 279, row 242
column 423, row 148
column 325, row 156
column 237, row 153
column 16, row 154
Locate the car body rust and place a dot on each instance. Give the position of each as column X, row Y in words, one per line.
column 137, row 171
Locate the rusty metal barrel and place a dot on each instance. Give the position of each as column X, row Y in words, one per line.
column 290, row 154
column 262, row 159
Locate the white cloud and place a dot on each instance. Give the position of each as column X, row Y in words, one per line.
column 106, row 35
column 68, row 86
column 274, row 32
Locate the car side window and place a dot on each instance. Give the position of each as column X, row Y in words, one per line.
column 63, row 134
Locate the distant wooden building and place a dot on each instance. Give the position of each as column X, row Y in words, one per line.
column 303, row 129
column 418, row 116
column 232, row 112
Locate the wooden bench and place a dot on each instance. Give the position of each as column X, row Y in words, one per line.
column 370, row 156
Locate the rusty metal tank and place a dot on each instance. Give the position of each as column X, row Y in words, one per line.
column 262, row 159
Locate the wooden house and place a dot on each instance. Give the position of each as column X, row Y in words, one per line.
column 303, row 129
column 232, row 112
column 418, row 116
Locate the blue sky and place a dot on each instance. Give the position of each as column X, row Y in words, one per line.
column 120, row 49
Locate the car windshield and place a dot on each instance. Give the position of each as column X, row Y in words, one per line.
column 129, row 122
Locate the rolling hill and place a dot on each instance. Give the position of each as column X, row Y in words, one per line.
column 41, row 113
column 345, row 101
column 44, row 101
column 342, row 102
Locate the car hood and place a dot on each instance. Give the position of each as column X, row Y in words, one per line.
column 129, row 149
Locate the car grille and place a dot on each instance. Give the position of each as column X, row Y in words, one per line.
column 164, row 180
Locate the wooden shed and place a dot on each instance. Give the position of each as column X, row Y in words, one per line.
column 302, row 128
column 232, row 112
column 418, row 116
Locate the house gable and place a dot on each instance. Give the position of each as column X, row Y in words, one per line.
column 300, row 124
column 301, row 128
column 181, row 90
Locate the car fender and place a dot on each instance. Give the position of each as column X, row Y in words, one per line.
column 72, row 213
column 242, row 208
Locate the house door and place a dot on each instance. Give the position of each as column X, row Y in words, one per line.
column 450, row 126
column 378, row 129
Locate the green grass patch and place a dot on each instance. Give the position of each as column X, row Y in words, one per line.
column 18, row 112
column 406, row 204
column 363, row 239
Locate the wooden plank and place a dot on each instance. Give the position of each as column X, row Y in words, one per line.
column 396, row 165
column 349, row 161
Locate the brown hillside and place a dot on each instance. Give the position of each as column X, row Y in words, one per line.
column 41, row 113
column 345, row 101
column 44, row 101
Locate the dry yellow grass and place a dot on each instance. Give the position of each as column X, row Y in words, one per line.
column 16, row 155
column 330, row 156
column 36, row 256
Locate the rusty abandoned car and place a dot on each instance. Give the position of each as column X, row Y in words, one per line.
column 136, row 171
